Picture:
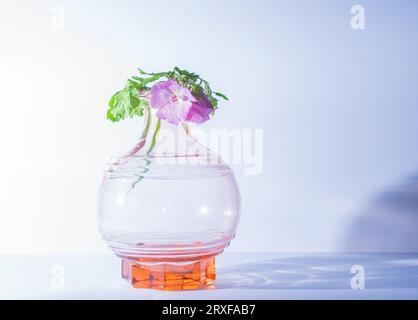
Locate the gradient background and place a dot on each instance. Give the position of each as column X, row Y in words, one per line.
column 338, row 108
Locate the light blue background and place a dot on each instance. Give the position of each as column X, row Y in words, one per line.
column 338, row 108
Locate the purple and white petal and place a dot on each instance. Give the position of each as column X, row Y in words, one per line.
column 160, row 94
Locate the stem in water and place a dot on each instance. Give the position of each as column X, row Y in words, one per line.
column 154, row 136
column 148, row 123
column 152, row 145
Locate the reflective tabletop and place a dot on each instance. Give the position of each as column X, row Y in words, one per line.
column 239, row 276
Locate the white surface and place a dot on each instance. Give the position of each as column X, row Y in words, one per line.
column 240, row 276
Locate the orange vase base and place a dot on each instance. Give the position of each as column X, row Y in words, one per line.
column 170, row 276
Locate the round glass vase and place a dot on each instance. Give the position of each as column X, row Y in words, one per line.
column 167, row 208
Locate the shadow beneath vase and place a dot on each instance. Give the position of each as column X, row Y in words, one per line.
column 326, row 271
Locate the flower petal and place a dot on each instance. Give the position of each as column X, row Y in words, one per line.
column 174, row 112
column 168, row 112
column 200, row 110
column 198, row 113
column 160, row 94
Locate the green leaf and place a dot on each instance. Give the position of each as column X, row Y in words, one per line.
column 133, row 84
column 221, row 95
column 112, row 100
column 138, row 78
column 125, row 103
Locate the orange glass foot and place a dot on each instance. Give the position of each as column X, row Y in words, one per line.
column 170, row 275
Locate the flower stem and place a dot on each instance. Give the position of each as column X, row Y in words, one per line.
column 154, row 136
column 147, row 125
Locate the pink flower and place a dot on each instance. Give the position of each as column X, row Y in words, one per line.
column 176, row 103
column 200, row 109
column 172, row 101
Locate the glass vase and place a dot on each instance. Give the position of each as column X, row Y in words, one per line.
column 167, row 208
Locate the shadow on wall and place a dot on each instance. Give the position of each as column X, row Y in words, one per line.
column 389, row 223
column 326, row 271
